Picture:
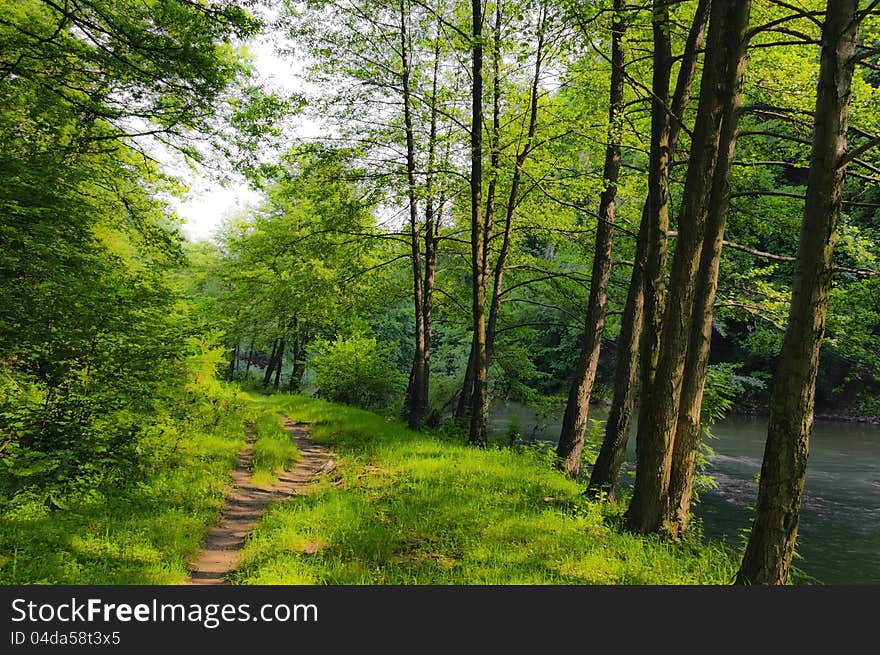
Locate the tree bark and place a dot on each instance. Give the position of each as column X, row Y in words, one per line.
column 574, row 421
column 606, row 471
column 768, row 554
column 658, row 413
column 279, row 363
column 689, row 427
column 466, row 397
column 416, row 397
column 479, row 397
column 270, row 367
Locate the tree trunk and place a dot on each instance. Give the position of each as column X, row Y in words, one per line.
column 250, row 358
column 463, row 407
column 416, row 397
column 512, row 197
column 606, row 471
column 688, row 428
column 574, row 421
column 658, row 414
column 270, row 367
column 432, row 222
column 479, row 397
column 233, row 363
column 769, row 551
column 279, row 363
column 428, row 297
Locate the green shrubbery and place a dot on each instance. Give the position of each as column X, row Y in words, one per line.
column 138, row 517
column 355, row 371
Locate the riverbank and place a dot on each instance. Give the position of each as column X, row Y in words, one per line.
column 419, row 508
column 848, row 418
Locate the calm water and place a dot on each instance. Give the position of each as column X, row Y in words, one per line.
column 839, row 536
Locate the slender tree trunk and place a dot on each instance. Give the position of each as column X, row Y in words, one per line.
column 233, row 363
column 416, row 399
column 606, row 471
column 574, row 421
column 659, row 412
column 770, row 548
column 428, row 299
column 512, row 198
column 466, row 397
column 432, row 222
column 688, row 428
column 250, row 357
column 479, row 397
column 270, row 367
column 279, row 363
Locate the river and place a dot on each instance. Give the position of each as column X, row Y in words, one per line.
column 839, row 535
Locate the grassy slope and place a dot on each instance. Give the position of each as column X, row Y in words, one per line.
column 142, row 533
column 407, row 508
column 145, row 532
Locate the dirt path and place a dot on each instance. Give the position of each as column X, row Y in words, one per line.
column 245, row 504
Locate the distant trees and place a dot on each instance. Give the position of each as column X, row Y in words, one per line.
column 292, row 268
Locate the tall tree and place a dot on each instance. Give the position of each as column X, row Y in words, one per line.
column 768, row 554
column 658, row 415
column 479, row 397
column 417, row 390
column 574, row 422
column 689, row 425
column 524, row 147
column 603, row 477
column 433, row 214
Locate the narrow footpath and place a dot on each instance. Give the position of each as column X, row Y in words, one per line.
column 245, row 504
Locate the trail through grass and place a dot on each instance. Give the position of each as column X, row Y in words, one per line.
column 410, row 508
column 146, row 527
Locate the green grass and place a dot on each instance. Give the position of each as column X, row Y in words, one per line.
column 400, row 508
column 409, row 508
column 144, row 532
column 274, row 451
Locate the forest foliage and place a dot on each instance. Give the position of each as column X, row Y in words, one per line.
column 489, row 181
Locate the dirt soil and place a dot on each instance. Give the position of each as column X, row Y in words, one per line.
column 245, row 504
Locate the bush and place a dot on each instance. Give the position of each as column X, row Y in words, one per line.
column 354, row 371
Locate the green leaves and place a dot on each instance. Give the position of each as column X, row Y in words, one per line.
column 354, row 371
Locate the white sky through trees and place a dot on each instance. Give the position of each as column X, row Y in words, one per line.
column 209, row 202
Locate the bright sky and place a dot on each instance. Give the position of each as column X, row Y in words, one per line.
column 208, row 203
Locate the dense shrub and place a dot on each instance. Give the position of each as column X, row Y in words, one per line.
column 355, row 371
